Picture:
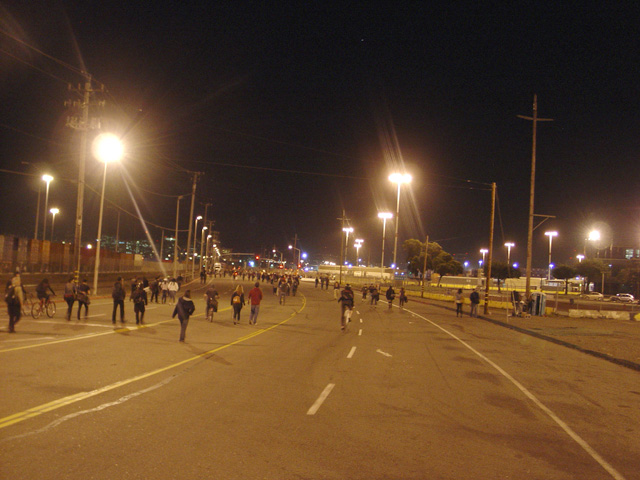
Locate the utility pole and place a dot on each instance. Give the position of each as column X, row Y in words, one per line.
column 488, row 277
column 342, row 219
column 83, row 125
column 193, row 200
column 535, row 121
column 175, row 241
column 202, row 240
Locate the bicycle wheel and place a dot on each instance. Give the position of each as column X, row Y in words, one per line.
column 51, row 309
column 27, row 305
column 36, row 310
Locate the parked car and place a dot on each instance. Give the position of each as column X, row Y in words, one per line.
column 623, row 297
column 592, row 296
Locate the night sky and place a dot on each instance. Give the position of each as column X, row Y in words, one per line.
column 296, row 112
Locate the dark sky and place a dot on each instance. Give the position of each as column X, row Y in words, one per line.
column 294, row 113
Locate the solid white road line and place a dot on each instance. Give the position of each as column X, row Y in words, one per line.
column 567, row 429
column 323, row 396
column 353, row 350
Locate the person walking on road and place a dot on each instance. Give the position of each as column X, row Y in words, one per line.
column 237, row 301
column 211, row 301
column 390, row 294
column 184, row 309
column 347, row 302
column 82, row 295
column 139, row 303
column 70, row 295
column 14, row 297
column 458, row 299
column 336, row 289
column 402, row 297
column 474, row 298
column 255, row 297
column 118, row 295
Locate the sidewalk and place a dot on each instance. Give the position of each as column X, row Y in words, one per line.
column 617, row 341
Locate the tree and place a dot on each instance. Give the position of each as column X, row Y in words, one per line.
column 590, row 269
column 502, row 271
column 564, row 272
column 437, row 260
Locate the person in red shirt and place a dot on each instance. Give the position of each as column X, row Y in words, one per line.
column 255, row 297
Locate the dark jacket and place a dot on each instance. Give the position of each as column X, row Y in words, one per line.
column 118, row 291
column 391, row 293
column 184, row 309
column 346, row 297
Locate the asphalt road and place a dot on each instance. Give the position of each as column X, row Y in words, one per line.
column 414, row 394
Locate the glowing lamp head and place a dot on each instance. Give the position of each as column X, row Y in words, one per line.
column 54, row 211
column 400, row 178
column 385, row 215
column 47, row 178
column 107, row 147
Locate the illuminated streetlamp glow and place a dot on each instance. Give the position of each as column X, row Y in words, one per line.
column 193, row 253
column 398, row 178
column 483, row 251
column 579, row 257
column 107, row 148
column 358, row 244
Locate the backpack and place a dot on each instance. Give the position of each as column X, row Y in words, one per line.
column 236, row 299
column 10, row 296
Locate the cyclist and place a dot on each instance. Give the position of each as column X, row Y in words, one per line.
column 211, row 300
column 42, row 291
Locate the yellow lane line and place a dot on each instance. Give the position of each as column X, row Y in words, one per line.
column 93, row 335
column 62, row 402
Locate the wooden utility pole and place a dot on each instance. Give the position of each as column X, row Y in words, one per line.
column 535, row 121
column 488, row 277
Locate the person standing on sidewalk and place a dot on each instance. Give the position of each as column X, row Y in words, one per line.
column 184, row 309
column 458, row 299
column 118, row 295
column 474, row 298
column 255, row 297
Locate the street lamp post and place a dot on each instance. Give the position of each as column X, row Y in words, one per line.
column 48, row 179
column 193, row 252
column 294, row 249
column 106, row 148
column 483, row 251
column 358, row 244
column 175, row 241
column 202, row 251
column 347, row 231
column 54, row 212
column 398, row 178
column 550, row 235
column 509, row 245
column 594, row 236
column 383, row 216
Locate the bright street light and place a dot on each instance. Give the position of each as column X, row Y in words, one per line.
column 579, row 257
column 384, row 216
column 202, row 252
column 54, row 212
column 48, row 179
column 509, row 245
column 483, row 251
column 398, row 178
column 593, row 236
column 550, row 235
column 107, row 148
column 358, row 244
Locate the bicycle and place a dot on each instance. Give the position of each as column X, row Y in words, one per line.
column 49, row 306
column 27, row 304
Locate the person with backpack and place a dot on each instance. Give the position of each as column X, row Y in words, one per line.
column 70, row 295
column 139, row 303
column 390, row 294
column 184, row 309
column 237, row 301
column 211, row 300
column 82, row 294
column 14, row 296
column 118, row 295
column 347, row 301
